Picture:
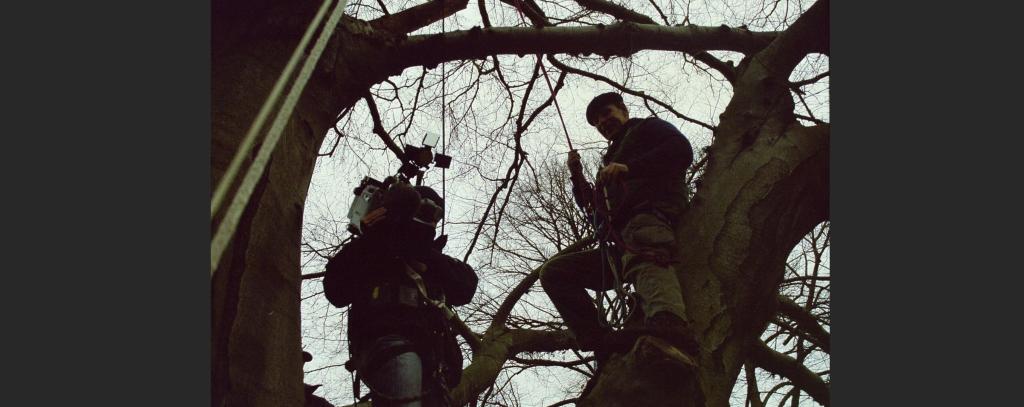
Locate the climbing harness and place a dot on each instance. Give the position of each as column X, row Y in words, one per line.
column 439, row 383
column 620, row 308
column 229, row 223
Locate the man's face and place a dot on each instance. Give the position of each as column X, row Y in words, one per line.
column 610, row 119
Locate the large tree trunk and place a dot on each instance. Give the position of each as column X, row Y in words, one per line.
column 256, row 349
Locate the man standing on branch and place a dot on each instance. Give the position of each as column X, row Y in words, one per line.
column 640, row 191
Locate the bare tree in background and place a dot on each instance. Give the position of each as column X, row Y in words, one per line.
column 762, row 188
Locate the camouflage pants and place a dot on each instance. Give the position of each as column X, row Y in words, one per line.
column 566, row 277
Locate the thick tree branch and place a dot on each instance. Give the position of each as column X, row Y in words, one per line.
column 497, row 347
column 383, row 7
column 313, row 275
column 805, row 322
column 810, row 80
column 472, row 338
column 555, row 363
column 617, row 39
column 615, row 10
column 566, row 402
column 531, row 11
column 808, row 34
column 417, row 17
column 753, row 395
column 378, row 128
column 804, row 379
column 483, row 13
column 727, row 70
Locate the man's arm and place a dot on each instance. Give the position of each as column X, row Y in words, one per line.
column 666, row 150
column 582, row 190
column 458, row 278
column 583, row 193
column 346, row 272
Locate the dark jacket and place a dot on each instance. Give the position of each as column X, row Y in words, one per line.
column 657, row 155
column 371, row 266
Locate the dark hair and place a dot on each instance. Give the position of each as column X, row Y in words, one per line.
column 599, row 102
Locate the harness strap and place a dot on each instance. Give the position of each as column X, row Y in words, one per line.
column 439, row 304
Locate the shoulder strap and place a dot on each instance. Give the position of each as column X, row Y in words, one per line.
column 448, row 313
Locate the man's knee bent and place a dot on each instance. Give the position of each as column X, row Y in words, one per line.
column 553, row 273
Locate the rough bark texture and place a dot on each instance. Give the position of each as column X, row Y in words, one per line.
column 766, row 185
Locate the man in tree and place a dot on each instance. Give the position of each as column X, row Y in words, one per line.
column 640, row 190
column 397, row 281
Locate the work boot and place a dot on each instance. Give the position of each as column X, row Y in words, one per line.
column 675, row 330
column 604, row 341
column 591, row 339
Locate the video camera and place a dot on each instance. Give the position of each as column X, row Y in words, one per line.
column 396, row 193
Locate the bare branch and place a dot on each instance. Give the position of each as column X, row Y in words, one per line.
column 483, row 13
column 804, row 379
column 417, row 17
column 615, row 10
column 808, row 34
column 531, row 11
column 616, row 39
column 313, row 275
column 624, row 89
column 809, row 81
column 378, row 128
column 805, row 322
column 566, row 402
column 727, row 70
column 753, row 395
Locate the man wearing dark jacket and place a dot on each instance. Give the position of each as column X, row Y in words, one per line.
column 640, row 191
column 401, row 342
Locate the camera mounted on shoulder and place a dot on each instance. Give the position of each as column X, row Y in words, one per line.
column 396, row 193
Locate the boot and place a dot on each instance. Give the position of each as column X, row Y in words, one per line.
column 591, row 339
column 670, row 327
column 604, row 341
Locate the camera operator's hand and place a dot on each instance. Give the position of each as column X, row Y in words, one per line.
column 373, row 217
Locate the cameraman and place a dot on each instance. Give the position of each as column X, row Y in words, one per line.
column 402, row 344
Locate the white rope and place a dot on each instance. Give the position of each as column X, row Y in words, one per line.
column 228, row 225
column 250, row 137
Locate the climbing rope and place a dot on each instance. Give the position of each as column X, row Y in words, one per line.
column 444, row 113
column 227, row 227
column 555, row 99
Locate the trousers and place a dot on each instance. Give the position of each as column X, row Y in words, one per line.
column 565, row 278
column 396, row 379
